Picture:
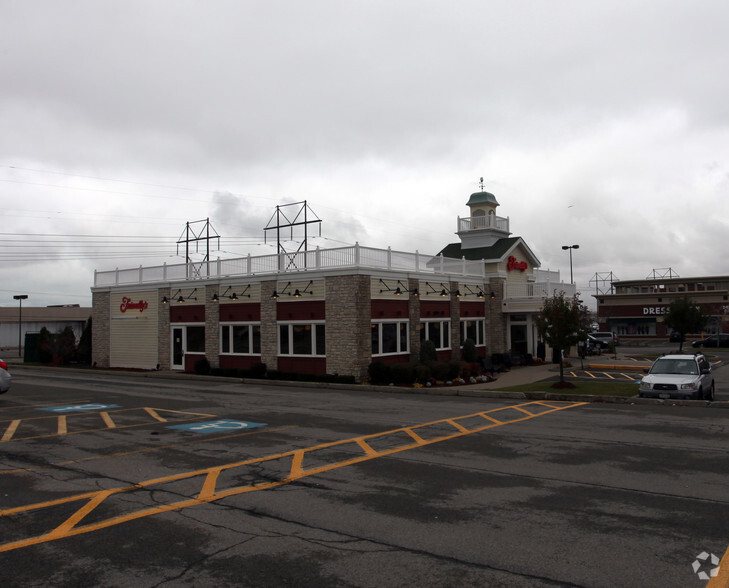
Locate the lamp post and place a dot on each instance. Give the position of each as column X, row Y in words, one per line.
column 571, row 247
column 20, row 298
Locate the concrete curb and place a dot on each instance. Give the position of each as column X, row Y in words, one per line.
column 465, row 392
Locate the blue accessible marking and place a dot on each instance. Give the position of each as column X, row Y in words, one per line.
column 79, row 407
column 217, row 426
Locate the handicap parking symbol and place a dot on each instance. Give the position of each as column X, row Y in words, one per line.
column 79, row 407
column 218, row 426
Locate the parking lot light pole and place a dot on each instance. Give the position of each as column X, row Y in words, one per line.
column 571, row 247
column 20, row 298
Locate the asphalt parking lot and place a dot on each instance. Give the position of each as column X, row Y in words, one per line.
column 111, row 480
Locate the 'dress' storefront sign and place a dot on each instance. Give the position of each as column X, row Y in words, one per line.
column 127, row 304
column 655, row 310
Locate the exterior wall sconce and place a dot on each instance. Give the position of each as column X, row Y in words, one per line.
column 470, row 292
column 233, row 296
column 400, row 290
column 458, row 293
column 180, row 298
column 299, row 293
column 274, row 296
column 492, row 296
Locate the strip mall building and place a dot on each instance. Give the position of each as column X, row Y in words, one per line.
column 635, row 308
column 328, row 310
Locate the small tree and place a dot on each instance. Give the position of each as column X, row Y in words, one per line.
column 563, row 322
column 683, row 316
column 83, row 351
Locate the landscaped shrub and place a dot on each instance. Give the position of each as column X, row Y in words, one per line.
column 379, row 372
column 454, row 370
column 422, row 373
column 439, row 370
column 202, row 367
column 469, row 353
column 402, row 373
column 258, row 370
column 428, row 352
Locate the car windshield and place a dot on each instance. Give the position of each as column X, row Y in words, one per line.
column 675, row 366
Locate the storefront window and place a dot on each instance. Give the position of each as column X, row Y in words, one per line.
column 241, row 339
column 438, row 332
column 195, row 339
column 302, row 339
column 389, row 337
column 474, row 330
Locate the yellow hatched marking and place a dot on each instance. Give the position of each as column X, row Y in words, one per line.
column 10, row 431
column 629, row 377
column 155, row 415
column 110, row 424
column 209, row 492
column 721, row 580
column 608, row 375
column 366, row 448
column 591, row 375
column 457, row 425
column 417, row 438
column 62, row 427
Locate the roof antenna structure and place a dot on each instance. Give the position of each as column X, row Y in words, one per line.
column 195, row 233
column 286, row 259
column 600, row 280
column 662, row 274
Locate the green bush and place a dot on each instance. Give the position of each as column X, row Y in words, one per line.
column 258, row 370
column 202, row 367
column 422, row 373
column 379, row 372
column 439, row 370
column 428, row 352
column 469, row 354
column 402, row 373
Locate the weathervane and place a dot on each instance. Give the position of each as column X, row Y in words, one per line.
column 481, row 184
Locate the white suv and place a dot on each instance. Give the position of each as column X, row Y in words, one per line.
column 678, row 376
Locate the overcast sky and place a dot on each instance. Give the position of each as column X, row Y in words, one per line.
column 603, row 124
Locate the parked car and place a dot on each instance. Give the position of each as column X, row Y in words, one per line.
column 676, row 337
column 721, row 340
column 680, row 376
column 5, row 377
column 605, row 338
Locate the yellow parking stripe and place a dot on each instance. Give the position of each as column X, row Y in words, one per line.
column 110, row 424
column 106, row 416
column 209, row 491
column 721, row 580
column 10, row 431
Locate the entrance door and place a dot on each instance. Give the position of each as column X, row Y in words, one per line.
column 178, row 348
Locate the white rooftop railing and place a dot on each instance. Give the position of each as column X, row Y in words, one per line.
column 474, row 223
column 354, row 256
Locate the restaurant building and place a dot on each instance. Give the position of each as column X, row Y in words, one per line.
column 634, row 309
column 328, row 310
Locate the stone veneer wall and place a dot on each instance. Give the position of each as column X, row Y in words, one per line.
column 101, row 329
column 164, row 332
column 348, row 326
column 497, row 319
column 212, row 326
column 269, row 327
column 414, row 318
column 455, row 322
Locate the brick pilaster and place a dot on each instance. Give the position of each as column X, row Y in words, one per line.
column 212, row 326
column 414, row 321
column 496, row 329
column 269, row 326
column 455, row 312
column 100, row 329
column 164, row 333
column 348, row 326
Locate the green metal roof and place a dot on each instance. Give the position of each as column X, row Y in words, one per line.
column 482, row 198
column 495, row 251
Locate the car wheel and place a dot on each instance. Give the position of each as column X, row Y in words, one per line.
column 712, row 390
